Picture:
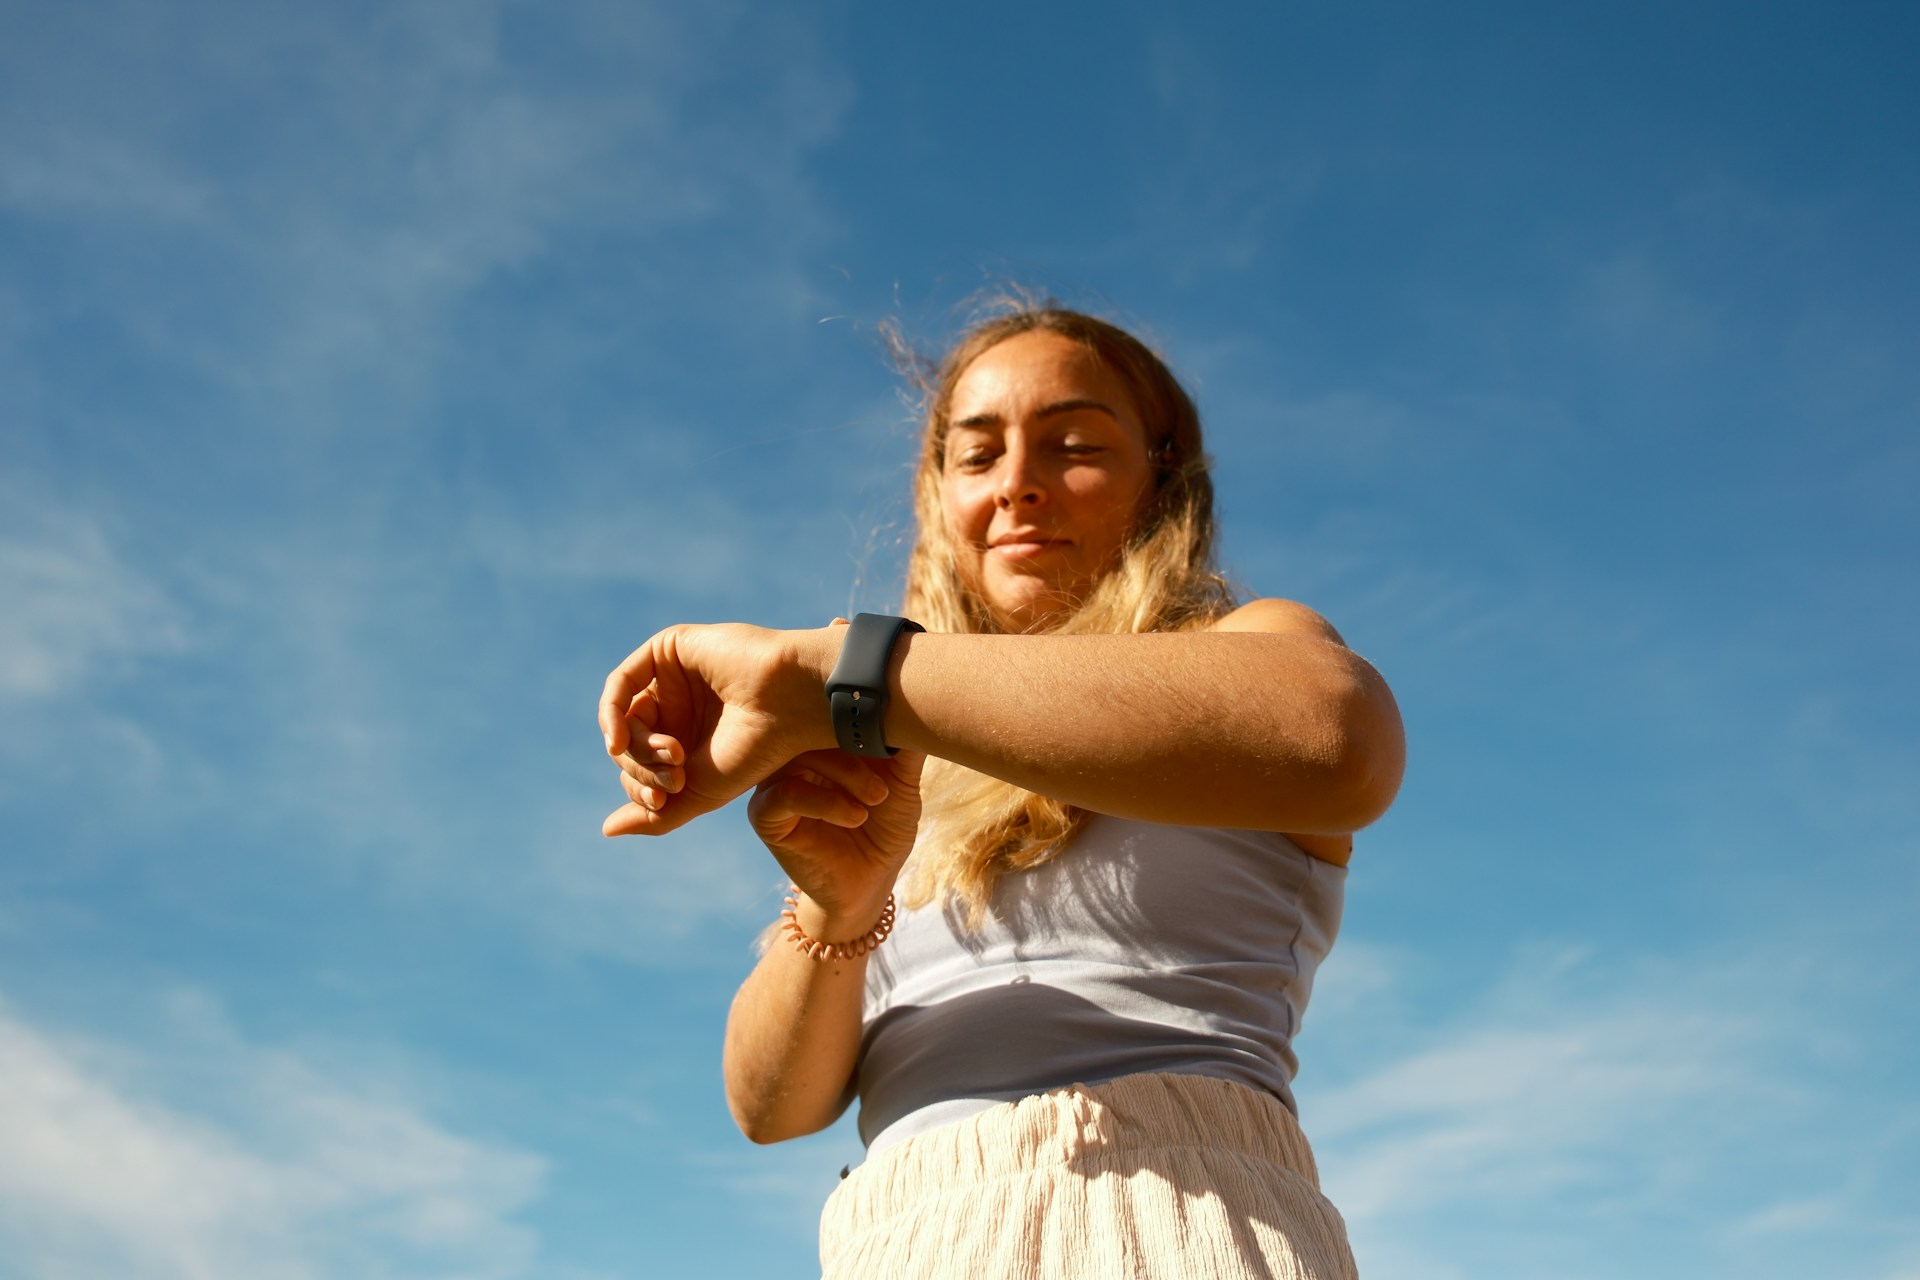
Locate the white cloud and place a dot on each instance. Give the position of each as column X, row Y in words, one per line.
column 252, row 1163
column 1594, row 1098
column 1505, row 1112
column 355, row 747
column 74, row 605
column 77, row 176
column 331, row 187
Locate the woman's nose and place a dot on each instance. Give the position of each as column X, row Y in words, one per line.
column 1020, row 482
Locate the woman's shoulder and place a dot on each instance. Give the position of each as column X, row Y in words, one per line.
column 1281, row 617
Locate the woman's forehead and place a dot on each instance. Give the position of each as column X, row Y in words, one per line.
column 1032, row 370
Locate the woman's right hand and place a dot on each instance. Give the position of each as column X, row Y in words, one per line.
column 841, row 827
column 698, row 715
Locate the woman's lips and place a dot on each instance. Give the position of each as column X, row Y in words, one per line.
column 1025, row 548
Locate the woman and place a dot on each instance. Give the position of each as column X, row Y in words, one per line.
column 1073, row 1055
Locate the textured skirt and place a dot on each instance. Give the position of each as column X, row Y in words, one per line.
column 1145, row 1176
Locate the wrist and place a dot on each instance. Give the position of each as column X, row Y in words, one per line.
column 821, row 933
column 838, row 924
column 860, row 689
column 810, row 658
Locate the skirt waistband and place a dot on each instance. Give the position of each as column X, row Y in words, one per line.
column 1155, row 1174
column 1088, row 1124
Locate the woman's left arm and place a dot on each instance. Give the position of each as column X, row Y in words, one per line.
column 1268, row 721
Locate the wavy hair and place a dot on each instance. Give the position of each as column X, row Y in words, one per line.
column 1165, row 579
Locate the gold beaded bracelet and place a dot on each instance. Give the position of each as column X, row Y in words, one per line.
column 819, row 950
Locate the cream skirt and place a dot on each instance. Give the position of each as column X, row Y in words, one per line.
column 1146, row 1176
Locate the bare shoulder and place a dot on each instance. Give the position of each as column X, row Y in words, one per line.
column 1280, row 617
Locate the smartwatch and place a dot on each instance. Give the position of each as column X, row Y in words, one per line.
column 857, row 689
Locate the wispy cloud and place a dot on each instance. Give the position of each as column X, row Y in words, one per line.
column 783, row 1187
column 216, row 1157
column 1634, row 306
column 296, row 237
column 74, row 602
column 1588, row 1094
column 332, row 188
column 441, row 789
column 1522, row 1109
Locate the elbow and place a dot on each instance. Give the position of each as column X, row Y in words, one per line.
column 758, row 1124
column 764, row 1120
column 759, row 1133
column 752, row 1112
column 1370, row 791
column 770, row 1097
column 765, row 1131
column 1369, row 757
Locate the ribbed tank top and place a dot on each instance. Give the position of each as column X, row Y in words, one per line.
column 1140, row 948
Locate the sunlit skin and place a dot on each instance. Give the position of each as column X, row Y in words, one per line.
column 1045, row 470
column 1264, row 720
column 1046, row 467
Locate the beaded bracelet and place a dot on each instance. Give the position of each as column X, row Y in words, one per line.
column 819, row 950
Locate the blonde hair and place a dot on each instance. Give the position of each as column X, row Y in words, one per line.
column 1164, row 580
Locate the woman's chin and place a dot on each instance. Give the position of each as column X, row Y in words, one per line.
column 1030, row 603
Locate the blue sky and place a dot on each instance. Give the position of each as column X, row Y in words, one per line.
column 373, row 377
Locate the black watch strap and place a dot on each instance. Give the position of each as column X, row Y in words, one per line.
column 857, row 689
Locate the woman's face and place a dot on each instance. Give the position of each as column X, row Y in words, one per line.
column 1046, row 470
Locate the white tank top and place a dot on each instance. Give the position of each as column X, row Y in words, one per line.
column 1140, row 948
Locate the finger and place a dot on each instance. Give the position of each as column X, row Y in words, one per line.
column 657, row 773
column 641, row 752
column 776, row 804
column 638, row 820
column 669, row 778
column 907, row 767
column 623, row 684
column 646, row 794
column 633, row 820
column 855, row 776
column 663, row 748
column 642, row 714
column 852, row 774
column 792, row 800
column 651, row 750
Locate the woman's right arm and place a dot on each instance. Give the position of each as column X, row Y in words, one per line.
column 841, row 828
column 793, row 1035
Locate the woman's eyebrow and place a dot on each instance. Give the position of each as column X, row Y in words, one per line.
column 1058, row 407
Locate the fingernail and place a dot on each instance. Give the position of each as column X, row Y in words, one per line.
column 609, row 738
